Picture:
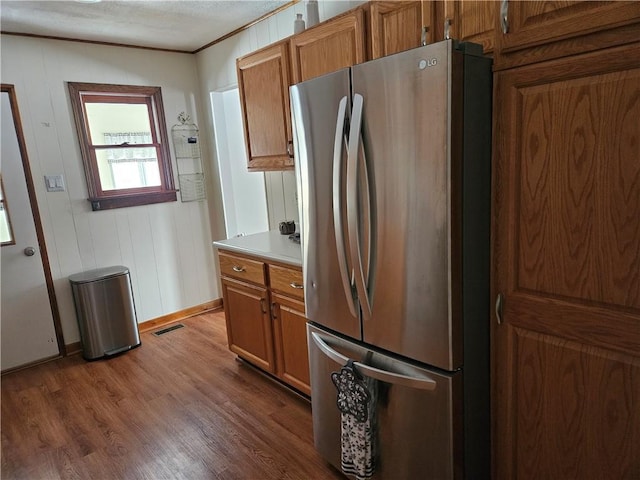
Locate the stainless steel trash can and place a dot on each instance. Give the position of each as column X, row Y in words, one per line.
column 106, row 311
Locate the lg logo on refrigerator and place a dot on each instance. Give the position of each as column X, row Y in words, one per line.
column 432, row 62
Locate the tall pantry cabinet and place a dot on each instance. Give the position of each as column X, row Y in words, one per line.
column 566, row 242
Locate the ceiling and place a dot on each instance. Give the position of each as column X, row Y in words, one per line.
column 182, row 25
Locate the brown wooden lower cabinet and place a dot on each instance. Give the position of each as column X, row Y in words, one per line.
column 290, row 335
column 248, row 323
column 265, row 316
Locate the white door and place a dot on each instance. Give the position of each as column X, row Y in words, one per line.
column 27, row 327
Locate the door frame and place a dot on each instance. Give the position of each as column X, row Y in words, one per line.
column 17, row 122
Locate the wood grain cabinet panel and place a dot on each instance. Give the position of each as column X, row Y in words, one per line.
column 566, row 258
column 539, row 30
column 248, row 323
column 396, row 26
column 287, row 281
column 263, row 81
column 473, row 21
column 589, row 397
column 328, row 46
column 290, row 334
column 242, row 268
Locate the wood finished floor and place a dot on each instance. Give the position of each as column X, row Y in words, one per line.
column 178, row 407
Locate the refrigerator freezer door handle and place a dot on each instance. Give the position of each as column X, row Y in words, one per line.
column 337, row 206
column 422, row 383
column 352, row 205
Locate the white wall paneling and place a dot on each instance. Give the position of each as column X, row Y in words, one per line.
column 243, row 192
column 290, row 195
column 167, row 246
column 275, row 198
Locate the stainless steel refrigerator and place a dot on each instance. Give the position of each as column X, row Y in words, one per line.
column 393, row 172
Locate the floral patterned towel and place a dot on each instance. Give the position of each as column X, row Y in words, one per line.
column 356, row 402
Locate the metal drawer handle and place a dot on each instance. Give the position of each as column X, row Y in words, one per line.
column 421, row 383
column 296, row 285
column 238, row 269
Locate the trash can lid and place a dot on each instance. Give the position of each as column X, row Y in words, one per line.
column 98, row 274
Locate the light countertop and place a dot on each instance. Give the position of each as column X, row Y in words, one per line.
column 270, row 245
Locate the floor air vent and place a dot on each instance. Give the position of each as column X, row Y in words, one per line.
column 168, row 329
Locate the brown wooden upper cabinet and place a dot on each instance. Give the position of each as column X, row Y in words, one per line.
column 328, row 46
column 263, row 81
column 472, row 21
column 528, row 28
column 397, row 26
column 372, row 30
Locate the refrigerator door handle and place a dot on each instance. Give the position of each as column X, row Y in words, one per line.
column 420, row 383
column 352, row 205
column 366, row 207
column 337, row 206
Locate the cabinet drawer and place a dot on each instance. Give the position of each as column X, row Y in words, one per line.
column 241, row 268
column 286, row 280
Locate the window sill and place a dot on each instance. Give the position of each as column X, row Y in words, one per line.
column 132, row 200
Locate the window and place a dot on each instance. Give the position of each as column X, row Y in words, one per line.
column 124, row 145
column 6, row 232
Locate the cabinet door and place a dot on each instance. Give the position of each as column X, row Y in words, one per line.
column 248, row 323
column 566, row 258
column 291, row 342
column 329, row 46
column 395, row 27
column 541, row 23
column 472, row 21
column 263, row 81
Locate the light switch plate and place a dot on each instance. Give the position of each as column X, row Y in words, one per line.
column 54, row 183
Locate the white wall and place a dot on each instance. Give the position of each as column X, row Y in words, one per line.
column 217, row 71
column 166, row 246
column 243, row 192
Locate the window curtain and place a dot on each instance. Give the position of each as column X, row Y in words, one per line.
column 134, row 154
